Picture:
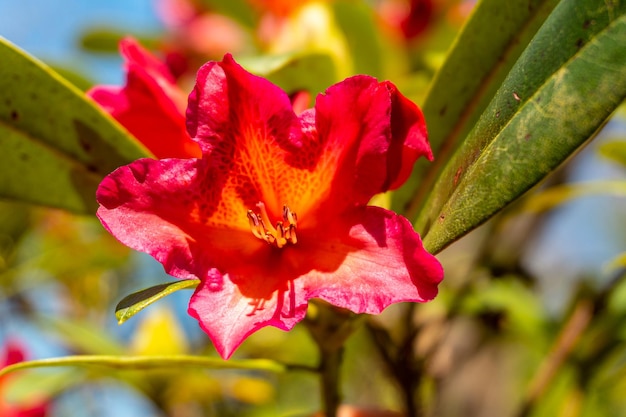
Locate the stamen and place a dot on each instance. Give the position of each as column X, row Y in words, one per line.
column 291, row 234
column 255, row 225
column 280, row 229
column 265, row 220
column 289, row 216
column 279, row 236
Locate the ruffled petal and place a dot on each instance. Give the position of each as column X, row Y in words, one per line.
column 378, row 262
column 409, row 138
column 352, row 121
column 366, row 139
column 165, row 208
column 160, row 207
column 150, row 106
column 230, row 312
column 362, row 138
column 248, row 131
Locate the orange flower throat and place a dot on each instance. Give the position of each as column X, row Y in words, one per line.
column 279, row 236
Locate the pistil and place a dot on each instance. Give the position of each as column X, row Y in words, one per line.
column 283, row 233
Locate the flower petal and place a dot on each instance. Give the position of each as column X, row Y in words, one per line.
column 159, row 207
column 150, row 106
column 164, row 208
column 362, row 138
column 371, row 136
column 247, row 128
column 230, row 312
column 379, row 262
column 409, row 138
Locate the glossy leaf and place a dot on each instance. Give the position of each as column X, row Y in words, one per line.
column 135, row 302
column 485, row 50
column 56, row 145
column 563, row 88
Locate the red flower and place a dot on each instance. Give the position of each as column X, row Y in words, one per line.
column 36, row 407
column 411, row 17
column 230, row 220
column 151, row 106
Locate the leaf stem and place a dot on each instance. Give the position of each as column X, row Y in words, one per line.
column 150, row 362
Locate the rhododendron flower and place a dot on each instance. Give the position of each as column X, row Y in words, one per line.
column 36, row 407
column 411, row 17
column 151, row 106
column 194, row 29
column 275, row 212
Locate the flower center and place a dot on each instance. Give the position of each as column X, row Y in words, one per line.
column 279, row 236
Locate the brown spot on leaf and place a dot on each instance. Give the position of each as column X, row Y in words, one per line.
column 457, row 175
column 101, row 156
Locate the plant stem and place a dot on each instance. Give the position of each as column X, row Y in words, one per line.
column 330, row 327
column 330, row 365
column 567, row 339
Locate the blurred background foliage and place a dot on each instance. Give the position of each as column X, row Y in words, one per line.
column 529, row 320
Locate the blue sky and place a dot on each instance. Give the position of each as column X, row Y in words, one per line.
column 50, row 30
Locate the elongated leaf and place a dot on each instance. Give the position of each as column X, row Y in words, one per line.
column 55, row 144
column 81, row 336
column 614, row 151
column 135, row 302
column 358, row 25
column 561, row 194
column 485, row 50
column 560, row 92
column 148, row 362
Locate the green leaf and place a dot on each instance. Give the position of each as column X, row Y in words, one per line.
column 238, row 10
column 485, row 50
column 563, row 88
column 148, row 362
column 81, row 336
column 614, row 151
column 312, row 72
column 135, row 302
column 561, row 194
column 56, row 145
column 358, row 25
column 106, row 40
